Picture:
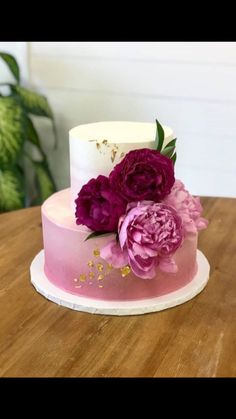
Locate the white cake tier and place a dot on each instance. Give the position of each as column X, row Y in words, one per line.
column 96, row 148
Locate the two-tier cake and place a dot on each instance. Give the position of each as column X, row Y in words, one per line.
column 126, row 230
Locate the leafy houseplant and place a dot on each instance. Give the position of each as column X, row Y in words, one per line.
column 16, row 129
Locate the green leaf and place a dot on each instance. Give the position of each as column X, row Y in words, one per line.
column 97, row 234
column 33, row 103
column 12, row 130
column 171, row 143
column 44, row 181
column 160, row 136
column 31, row 133
column 173, row 158
column 11, row 190
column 12, row 65
column 168, row 151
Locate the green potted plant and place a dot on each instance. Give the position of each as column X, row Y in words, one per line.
column 16, row 130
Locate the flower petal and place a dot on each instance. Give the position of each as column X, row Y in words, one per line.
column 113, row 254
column 148, row 274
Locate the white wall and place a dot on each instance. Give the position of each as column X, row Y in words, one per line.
column 188, row 86
column 20, row 52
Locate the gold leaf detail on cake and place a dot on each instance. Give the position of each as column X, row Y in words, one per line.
column 96, row 253
column 91, row 275
column 109, row 267
column 82, row 277
column 100, row 267
column 113, row 155
column 98, row 146
column 125, row 271
column 90, row 264
column 122, row 155
column 100, row 277
column 104, row 142
column 100, row 286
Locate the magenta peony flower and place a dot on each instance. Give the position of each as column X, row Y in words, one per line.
column 98, row 206
column 149, row 235
column 187, row 206
column 143, row 174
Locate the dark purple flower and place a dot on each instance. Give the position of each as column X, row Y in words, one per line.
column 98, row 206
column 143, row 174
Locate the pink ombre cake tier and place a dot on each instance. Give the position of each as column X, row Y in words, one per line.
column 74, row 265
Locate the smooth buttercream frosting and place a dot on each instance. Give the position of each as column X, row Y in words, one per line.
column 75, row 265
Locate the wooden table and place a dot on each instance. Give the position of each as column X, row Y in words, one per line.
column 38, row 338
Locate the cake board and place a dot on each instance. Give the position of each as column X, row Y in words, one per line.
column 118, row 308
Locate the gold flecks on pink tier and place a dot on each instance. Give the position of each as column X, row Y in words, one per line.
column 91, row 275
column 96, row 253
column 100, row 277
column 100, row 286
column 100, row 267
column 82, row 277
column 125, row 271
column 91, row 263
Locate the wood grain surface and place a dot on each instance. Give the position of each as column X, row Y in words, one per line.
column 41, row 339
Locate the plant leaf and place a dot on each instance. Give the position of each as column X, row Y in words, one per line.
column 160, row 136
column 31, row 133
column 33, row 103
column 173, row 158
column 11, row 190
column 96, row 234
column 171, row 143
column 168, row 151
column 12, row 130
column 44, row 181
column 12, row 65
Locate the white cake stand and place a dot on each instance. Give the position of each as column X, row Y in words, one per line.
column 118, row 308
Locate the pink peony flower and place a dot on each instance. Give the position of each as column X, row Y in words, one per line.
column 143, row 174
column 113, row 254
column 187, row 206
column 149, row 235
column 98, row 206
